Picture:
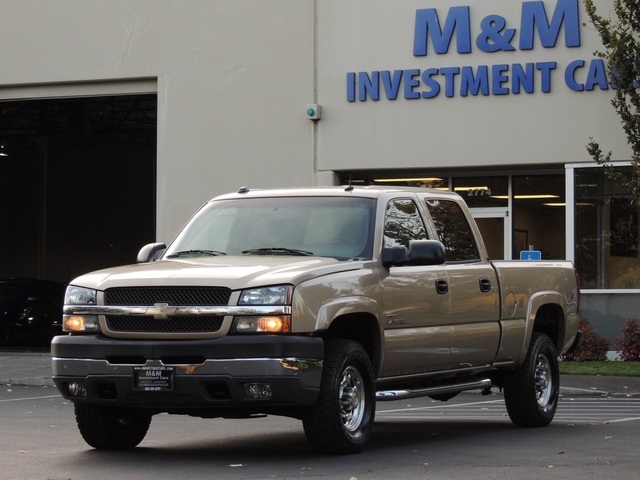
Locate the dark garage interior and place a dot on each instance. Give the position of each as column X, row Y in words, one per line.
column 77, row 184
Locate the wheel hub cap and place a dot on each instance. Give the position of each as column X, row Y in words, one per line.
column 543, row 381
column 351, row 399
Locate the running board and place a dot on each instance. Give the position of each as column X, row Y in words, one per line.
column 389, row 395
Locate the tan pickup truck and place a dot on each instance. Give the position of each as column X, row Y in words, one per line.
column 315, row 304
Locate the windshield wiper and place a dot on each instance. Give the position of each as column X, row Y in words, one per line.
column 276, row 250
column 185, row 253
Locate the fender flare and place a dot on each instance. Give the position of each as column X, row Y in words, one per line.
column 353, row 305
column 537, row 301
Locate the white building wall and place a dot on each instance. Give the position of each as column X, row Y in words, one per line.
column 233, row 79
column 498, row 130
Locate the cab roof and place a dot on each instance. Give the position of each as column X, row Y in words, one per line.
column 367, row 191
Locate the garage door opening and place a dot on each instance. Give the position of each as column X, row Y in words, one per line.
column 77, row 184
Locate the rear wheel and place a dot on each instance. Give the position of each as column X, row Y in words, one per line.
column 531, row 390
column 341, row 419
column 111, row 427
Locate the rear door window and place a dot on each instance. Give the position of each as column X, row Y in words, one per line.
column 453, row 230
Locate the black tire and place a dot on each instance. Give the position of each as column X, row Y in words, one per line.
column 340, row 422
column 111, row 428
column 531, row 390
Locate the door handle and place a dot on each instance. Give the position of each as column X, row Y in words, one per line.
column 485, row 285
column 442, row 287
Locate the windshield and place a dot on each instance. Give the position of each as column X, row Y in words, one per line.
column 338, row 227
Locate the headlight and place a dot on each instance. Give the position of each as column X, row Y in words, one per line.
column 80, row 323
column 265, row 324
column 277, row 295
column 79, row 296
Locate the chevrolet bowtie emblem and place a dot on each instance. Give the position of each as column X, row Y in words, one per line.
column 161, row 311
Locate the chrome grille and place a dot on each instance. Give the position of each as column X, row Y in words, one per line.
column 175, row 296
column 172, row 296
column 181, row 324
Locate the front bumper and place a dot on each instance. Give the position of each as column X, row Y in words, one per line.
column 208, row 374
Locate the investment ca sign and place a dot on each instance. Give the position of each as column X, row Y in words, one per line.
column 542, row 25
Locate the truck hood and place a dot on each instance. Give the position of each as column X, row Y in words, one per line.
column 234, row 272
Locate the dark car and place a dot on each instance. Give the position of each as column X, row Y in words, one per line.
column 30, row 310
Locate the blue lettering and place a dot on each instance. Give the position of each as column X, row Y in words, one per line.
column 474, row 84
column 498, row 78
column 494, row 37
column 427, row 25
column 351, row 87
column 522, row 78
column 391, row 84
column 534, row 17
column 545, row 69
column 570, row 76
column 449, row 78
column 411, row 83
column 429, row 81
column 369, row 85
column 597, row 75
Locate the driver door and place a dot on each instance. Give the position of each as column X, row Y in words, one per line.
column 417, row 315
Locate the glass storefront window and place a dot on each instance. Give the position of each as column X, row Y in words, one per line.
column 539, row 215
column 483, row 191
column 420, row 181
column 606, row 232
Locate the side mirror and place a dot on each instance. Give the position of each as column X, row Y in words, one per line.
column 151, row 252
column 420, row 252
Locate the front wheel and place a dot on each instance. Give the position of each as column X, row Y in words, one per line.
column 341, row 419
column 111, row 427
column 531, row 390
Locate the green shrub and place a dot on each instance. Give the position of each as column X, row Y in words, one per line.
column 628, row 344
column 591, row 347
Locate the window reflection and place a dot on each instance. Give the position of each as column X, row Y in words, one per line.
column 606, row 232
column 453, row 230
column 402, row 223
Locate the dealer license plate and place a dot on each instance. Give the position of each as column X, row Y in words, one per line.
column 153, row 379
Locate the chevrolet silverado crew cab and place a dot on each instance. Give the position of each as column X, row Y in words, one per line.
column 315, row 304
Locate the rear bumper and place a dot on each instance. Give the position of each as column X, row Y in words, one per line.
column 208, row 375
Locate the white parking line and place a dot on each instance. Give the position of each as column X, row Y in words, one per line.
column 624, row 420
column 573, row 410
column 28, row 398
column 438, row 407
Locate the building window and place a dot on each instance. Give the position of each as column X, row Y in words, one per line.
column 539, row 215
column 606, row 232
column 514, row 212
column 483, row 192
